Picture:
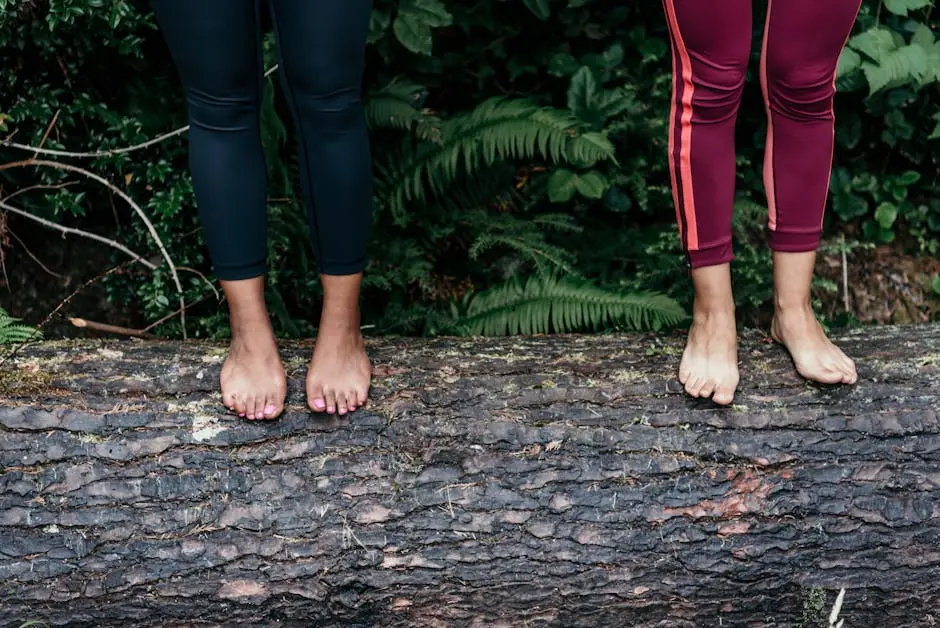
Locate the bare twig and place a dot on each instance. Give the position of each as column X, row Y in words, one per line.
column 127, row 199
column 78, row 232
column 34, row 258
column 834, row 621
column 30, row 188
column 111, row 329
column 39, row 150
column 204, row 278
column 45, row 135
column 845, row 276
column 95, row 154
column 61, row 305
column 171, row 315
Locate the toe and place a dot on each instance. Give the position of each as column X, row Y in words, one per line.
column 835, row 368
column 241, row 406
column 229, row 401
column 724, row 391
column 341, row 406
column 707, row 388
column 259, row 407
column 316, row 399
column 850, row 370
column 694, row 385
column 684, row 372
column 351, row 400
column 849, row 377
column 271, row 409
column 724, row 395
column 330, row 402
column 826, row 375
column 362, row 397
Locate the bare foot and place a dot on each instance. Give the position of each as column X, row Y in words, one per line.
column 253, row 380
column 814, row 355
column 709, row 366
column 340, row 373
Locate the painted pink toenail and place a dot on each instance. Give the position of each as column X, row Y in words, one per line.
column 270, row 409
column 241, row 414
column 318, row 404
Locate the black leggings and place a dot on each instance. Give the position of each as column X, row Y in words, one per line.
column 216, row 45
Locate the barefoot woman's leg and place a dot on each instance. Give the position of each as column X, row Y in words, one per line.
column 339, row 374
column 710, row 48
column 216, row 47
column 253, row 379
column 802, row 44
column 322, row 46
column 795, row 325
column 709, row 366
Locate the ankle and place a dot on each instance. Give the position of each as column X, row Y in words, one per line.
column 704, row 309
column 792, row 307
column 248, row 329
column 340, row 320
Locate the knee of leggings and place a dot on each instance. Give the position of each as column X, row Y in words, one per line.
column 718, row 89
column 800, row 92
column 222, row 112
column 318, row 95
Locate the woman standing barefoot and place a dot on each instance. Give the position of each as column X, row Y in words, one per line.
column 710, row 48
column 216, row 45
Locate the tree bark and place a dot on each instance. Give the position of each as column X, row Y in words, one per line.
column 562, row 481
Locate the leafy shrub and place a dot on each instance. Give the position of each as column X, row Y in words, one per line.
column 513, row 141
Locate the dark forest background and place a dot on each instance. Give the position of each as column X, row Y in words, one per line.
column 520, row 162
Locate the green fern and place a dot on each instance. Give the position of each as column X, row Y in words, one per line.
column 497, row 129
column 491, row 186
column 546, row 303
column 543, row 256
column 524, row 236
column 399, row 106
column 11, row 332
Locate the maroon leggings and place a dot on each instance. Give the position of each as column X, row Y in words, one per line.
column 711, row 41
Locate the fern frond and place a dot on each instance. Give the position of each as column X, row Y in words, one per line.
column 545, row 257
column 12, row 332
column 523, row 235
column 547, row 303
column 497, row 129
column 398, row 105
column 558, row 222
column 487, row 187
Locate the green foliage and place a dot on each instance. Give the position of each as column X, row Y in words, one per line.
column 11, row 332
column 888, row 60
column 896, row 57
column 545, row 304
column 512, row 142
column 493, row 131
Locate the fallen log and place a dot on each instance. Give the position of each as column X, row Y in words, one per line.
column 528, row 481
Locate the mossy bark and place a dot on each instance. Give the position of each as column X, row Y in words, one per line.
column 555, row 481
